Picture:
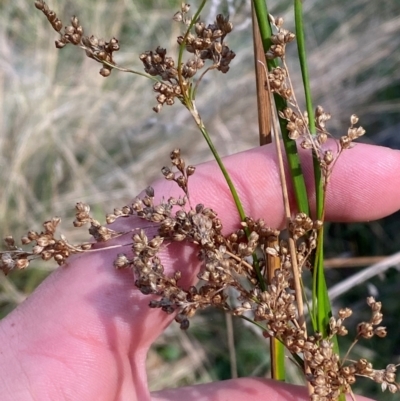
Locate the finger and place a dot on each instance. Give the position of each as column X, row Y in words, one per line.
column 364, row 185
column 249, row 389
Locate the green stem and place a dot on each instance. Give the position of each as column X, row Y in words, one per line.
column 321, row 305
column 293, row 159
column 301, row 46
column 224, row 171
column 320, row 302
column 191, row 107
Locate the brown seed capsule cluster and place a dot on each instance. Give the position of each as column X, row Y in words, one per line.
column 51, row 15
column 182, row 15
column 157, row 63
column 296, row 126
column 99, row 232
column 298, row 130
column 184, row 172
column 199, row 226
column 101, row 51
column 44, row 245
column 72, row 33
column 352, row 133
column 331, row 376
column 279, row 40
column 95, row 48
column 336, row 326
column 278, row 83
column 14, row 258
column 207, row 43
column 225, row 264
column 386, row 378
column 367, row 329
column 204, row 43
column 324, row 365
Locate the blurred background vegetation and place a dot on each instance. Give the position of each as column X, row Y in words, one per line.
column 67, row 135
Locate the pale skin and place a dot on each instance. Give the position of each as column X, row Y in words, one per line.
column 85, row 332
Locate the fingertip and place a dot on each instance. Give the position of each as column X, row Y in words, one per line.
column 365, row 184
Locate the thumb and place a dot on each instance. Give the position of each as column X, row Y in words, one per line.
column 87, row 320
column 249, row 389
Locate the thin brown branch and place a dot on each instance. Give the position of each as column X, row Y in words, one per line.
column 263, row 100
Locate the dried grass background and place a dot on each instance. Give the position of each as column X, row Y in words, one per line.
column 67, row 135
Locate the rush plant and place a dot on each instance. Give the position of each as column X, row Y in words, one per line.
column 262, row 265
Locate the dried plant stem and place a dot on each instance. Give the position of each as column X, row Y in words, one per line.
column 277, row 349
column 288, row 215
column 263, row 99
column 292, row 245
column 353, row 261
column 321, row 304
column 291, row 242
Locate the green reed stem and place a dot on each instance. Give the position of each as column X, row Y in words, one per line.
column 321, row 305
column 224, row 171
column 321, row 308
column 295, row 169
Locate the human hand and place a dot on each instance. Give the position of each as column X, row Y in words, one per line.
column 85, row 332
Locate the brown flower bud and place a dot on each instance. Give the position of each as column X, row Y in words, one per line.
column 51, row 16
column 39, row 4
column 22, row 264
column 105, row 72
column 353, row 119
column 190, row 170
column 185, row 8
column 60, row 44
column 74, row 21
column 57, row 25
column 178, row 17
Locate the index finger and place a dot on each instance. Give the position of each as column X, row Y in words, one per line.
column 364, row 185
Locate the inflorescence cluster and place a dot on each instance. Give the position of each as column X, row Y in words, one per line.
column 174, row 77
column 203, row 43
column 98, row 49
column 297, row 122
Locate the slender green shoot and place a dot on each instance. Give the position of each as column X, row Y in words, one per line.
column 321, row 308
